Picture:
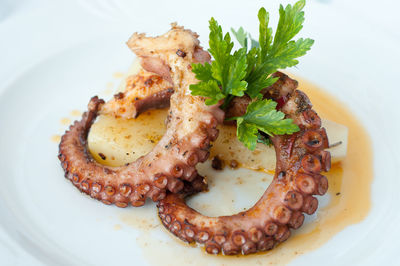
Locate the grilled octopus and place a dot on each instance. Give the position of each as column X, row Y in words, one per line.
column 191, row 126
column 167, row 174
column 143, row 91
column 300, row 159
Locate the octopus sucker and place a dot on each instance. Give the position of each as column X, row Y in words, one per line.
column 191, row 127
column 301, row 157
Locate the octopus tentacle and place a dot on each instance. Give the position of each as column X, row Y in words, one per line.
column 190, row 128
column 300, row 159
column 143, row 91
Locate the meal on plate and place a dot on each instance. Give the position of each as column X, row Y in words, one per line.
column 224, row 102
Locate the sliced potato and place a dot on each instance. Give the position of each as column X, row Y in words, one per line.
column 337, row 135
column 117, row 141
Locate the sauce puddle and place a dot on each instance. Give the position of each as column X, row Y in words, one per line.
column 75, row 113
column 348, row 202
column 55, row 138
column 65, row 121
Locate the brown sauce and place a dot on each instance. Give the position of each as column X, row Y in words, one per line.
column 55, row 138
column 349, row 203
column 118, row 75
column 75, row 113
column 65, row 121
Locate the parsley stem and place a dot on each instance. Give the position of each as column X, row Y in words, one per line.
column 227, row 101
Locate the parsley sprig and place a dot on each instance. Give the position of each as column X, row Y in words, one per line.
column 262, row 116
column 248, row 70
column 225, row 75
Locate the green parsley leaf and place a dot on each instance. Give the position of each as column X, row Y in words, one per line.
column 225, row 76
column 237, row 70
column 251, row 61
column 280, row 51
column 254, row 43
column 289, row 53
column 241, row 36
column 247, row 133
column 203, row 71
column 290, row 23
column 220, row 49
column 260, row 82
column 265, row 37
column 208, row 89
column 262, row 115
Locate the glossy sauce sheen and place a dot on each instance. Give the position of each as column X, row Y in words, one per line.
column 347, row 202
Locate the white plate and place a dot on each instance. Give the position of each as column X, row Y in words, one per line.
column 54, row 57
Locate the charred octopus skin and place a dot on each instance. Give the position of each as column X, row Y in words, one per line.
column 143, row 91
column 300, row 159
column 191, row 126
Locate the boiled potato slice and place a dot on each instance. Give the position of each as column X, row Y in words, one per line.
column 117, row 141
column 337, row 135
